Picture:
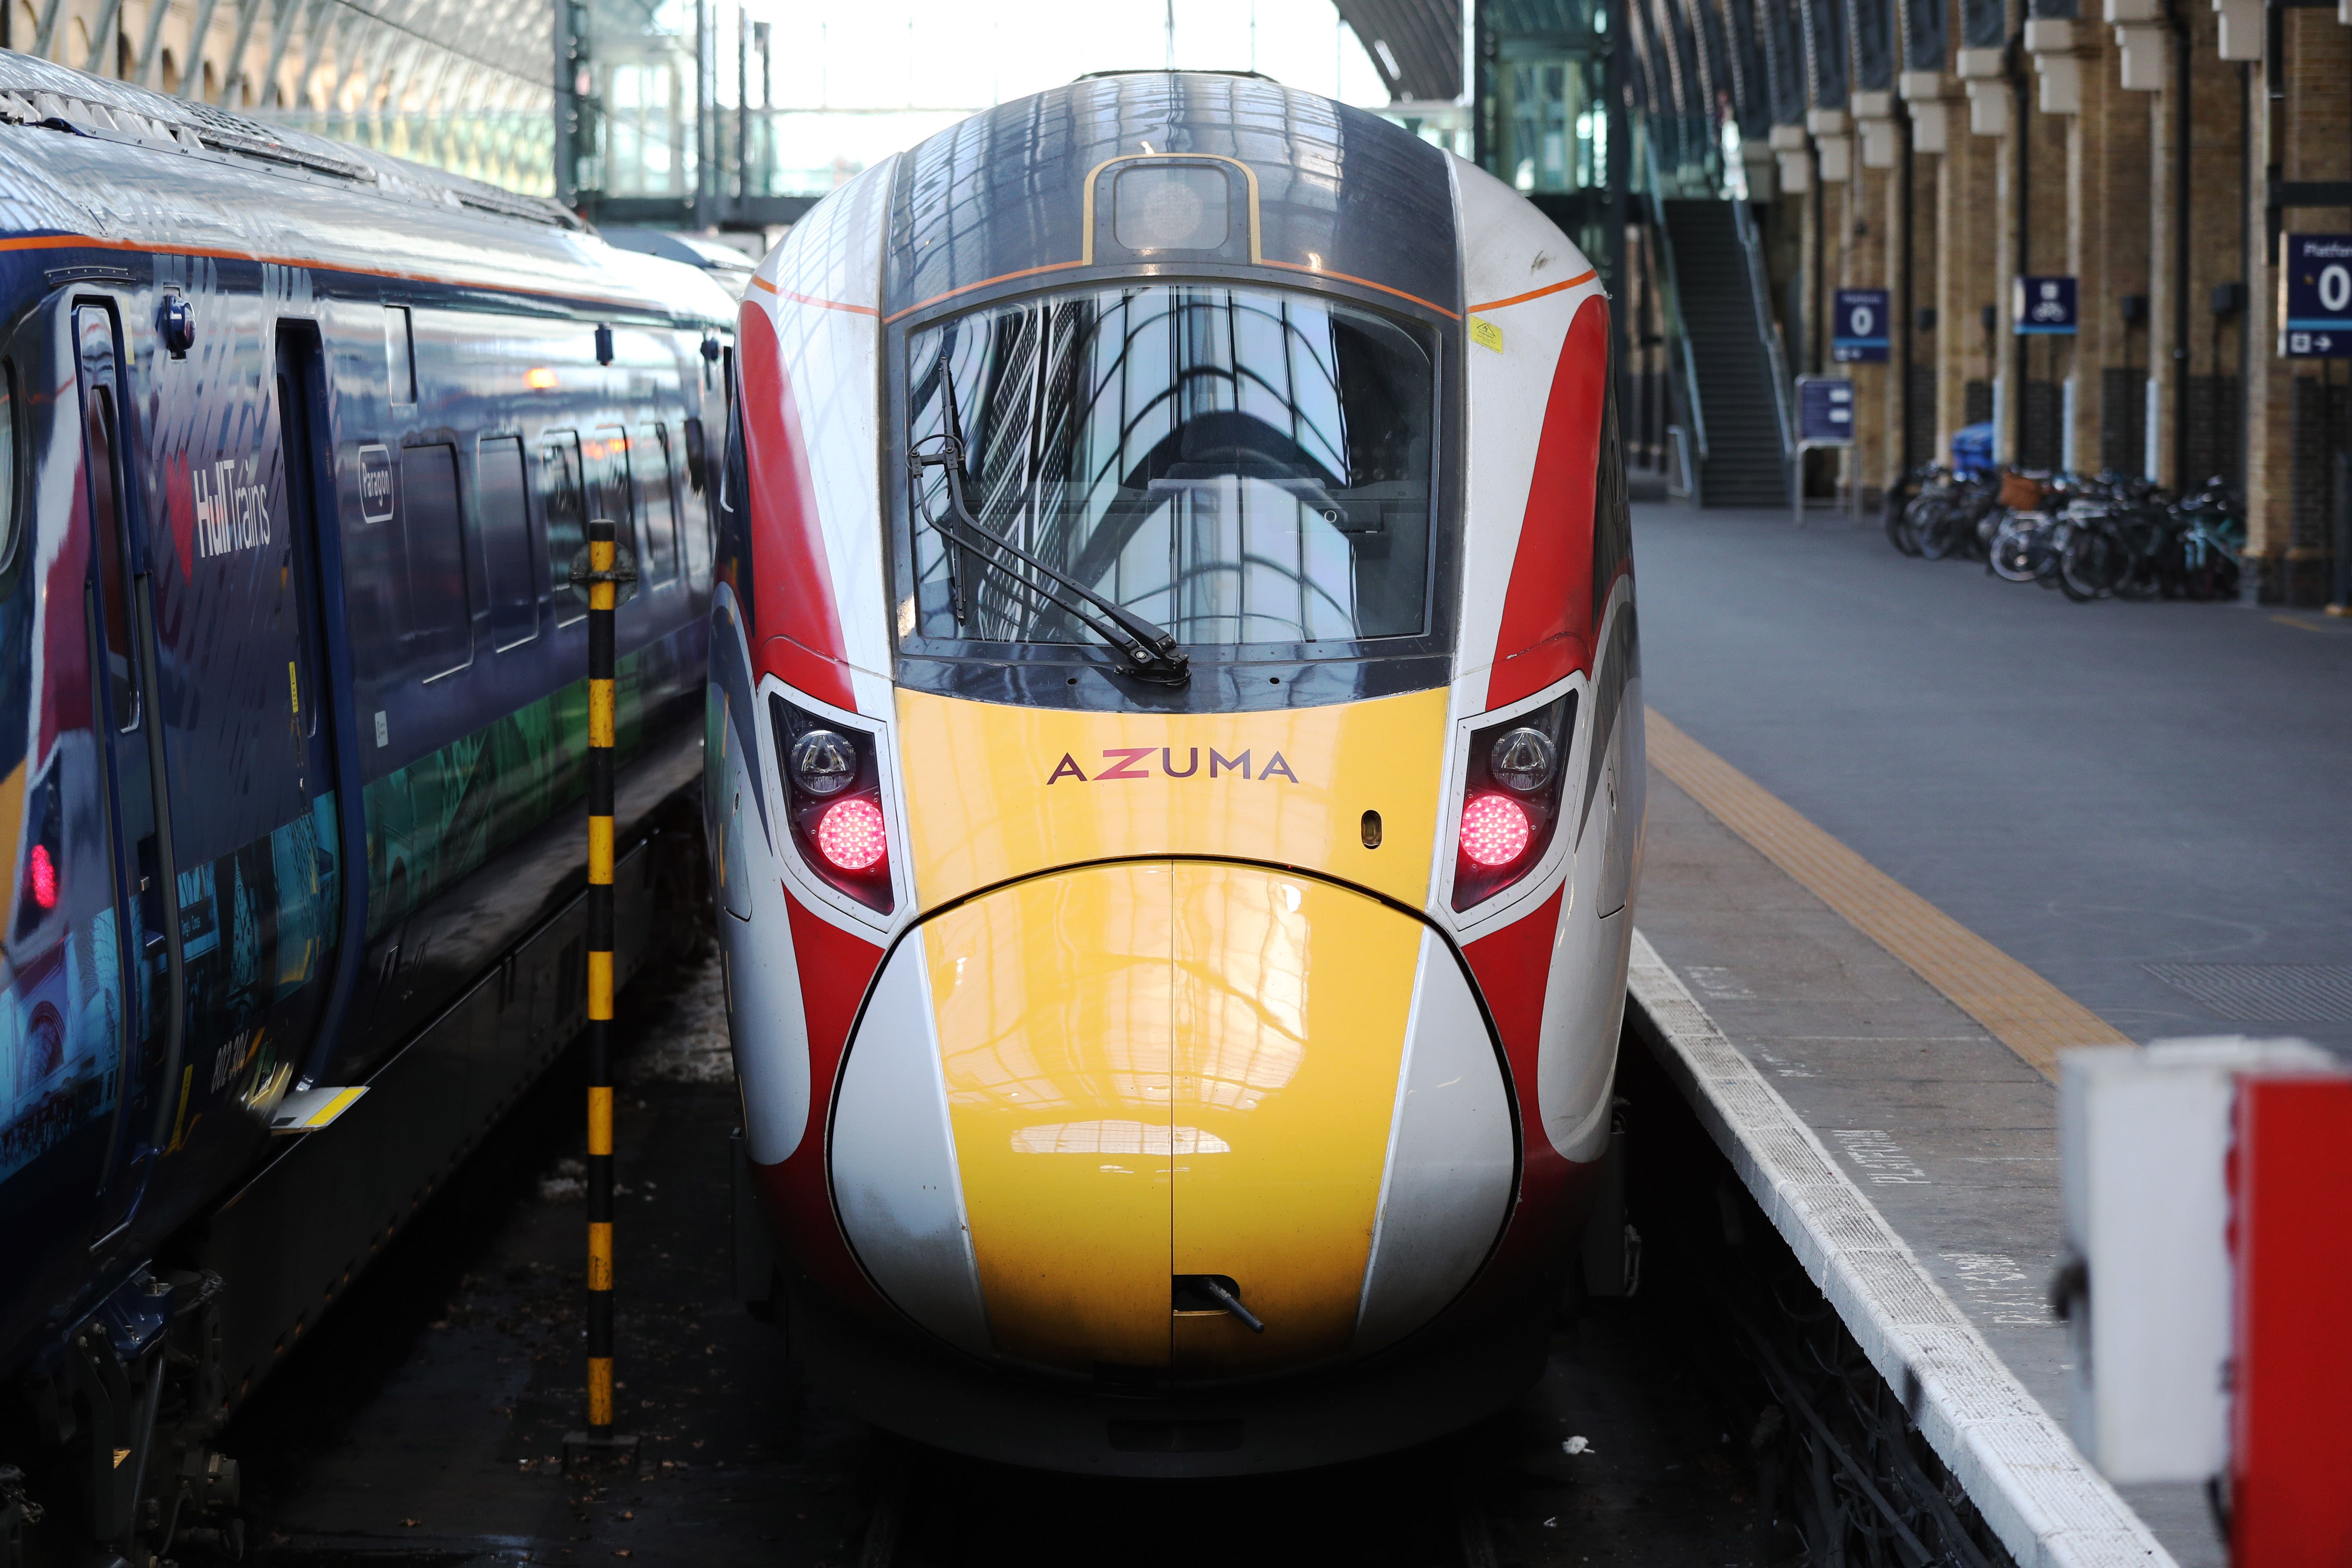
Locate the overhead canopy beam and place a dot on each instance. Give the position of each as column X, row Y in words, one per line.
column 1415, row 45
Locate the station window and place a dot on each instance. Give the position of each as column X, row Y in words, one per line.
column 657, row 505
column 440, row 612
column 1555, row 123
column 563, row 503
column 505, row 524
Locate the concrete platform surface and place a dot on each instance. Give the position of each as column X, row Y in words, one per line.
column 2096, row 789
column 2103, row 792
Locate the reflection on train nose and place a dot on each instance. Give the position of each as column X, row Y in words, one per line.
column 1117, row 1138
column 1165, row 1060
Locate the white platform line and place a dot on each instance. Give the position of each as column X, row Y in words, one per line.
column 2035, row 1489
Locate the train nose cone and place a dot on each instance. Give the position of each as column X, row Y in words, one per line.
column 1076, row 1099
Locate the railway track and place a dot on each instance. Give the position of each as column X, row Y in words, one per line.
column 423, row 1420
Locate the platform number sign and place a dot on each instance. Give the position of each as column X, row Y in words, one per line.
column 2315, row 297
column 1858, row 331
column 2044, row 307
column 1824, row 411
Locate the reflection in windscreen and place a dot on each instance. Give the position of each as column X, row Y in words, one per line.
column 1238, row 465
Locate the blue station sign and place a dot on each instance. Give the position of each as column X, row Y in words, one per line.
column 2315, row 297
column 1858, row 333
column 2044, row 307
column 1824, row 411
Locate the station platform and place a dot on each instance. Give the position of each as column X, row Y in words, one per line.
column 1912, row 832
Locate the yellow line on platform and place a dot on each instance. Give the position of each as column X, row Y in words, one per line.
column 2023, row 1011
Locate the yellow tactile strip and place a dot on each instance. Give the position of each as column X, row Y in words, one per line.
column 2023, row 1011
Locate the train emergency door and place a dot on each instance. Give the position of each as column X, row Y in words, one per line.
column 118, row 594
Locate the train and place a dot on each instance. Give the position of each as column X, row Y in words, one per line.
column 298, row 443
column 1174, row 782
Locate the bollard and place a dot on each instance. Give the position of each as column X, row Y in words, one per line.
column 602, row 569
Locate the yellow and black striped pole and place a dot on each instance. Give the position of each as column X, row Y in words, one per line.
column 608, row 568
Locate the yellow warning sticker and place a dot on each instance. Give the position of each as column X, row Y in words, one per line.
column 1485, row 333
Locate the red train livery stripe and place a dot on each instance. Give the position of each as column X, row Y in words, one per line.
column 1544, row 633
column 1513, row 968
column 835, row 968
column 791, row 592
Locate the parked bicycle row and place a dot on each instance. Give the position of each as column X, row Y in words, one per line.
column 2091, row 537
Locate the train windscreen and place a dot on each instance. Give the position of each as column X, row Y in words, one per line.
column 1238, row 466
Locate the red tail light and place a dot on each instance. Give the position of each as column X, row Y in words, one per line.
column 1495, row 830
column 832, row 789
column 850, row 833
column 41, row 878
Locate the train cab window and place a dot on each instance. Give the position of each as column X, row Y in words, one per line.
column 440, row 633
column 1243, row 467
column 562, row 501
column 505, row 527
column 105, row 530
column 399, row 353
column 657, row 504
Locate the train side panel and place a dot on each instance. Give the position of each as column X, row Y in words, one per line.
column 463, row 849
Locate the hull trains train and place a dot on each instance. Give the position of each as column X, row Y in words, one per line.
column 1174, row 779
column 296, row 444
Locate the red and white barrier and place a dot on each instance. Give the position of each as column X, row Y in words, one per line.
column 2208, row 1192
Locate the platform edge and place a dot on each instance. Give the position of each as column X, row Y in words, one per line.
column 2034, row 1488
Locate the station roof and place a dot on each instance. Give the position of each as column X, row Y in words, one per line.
column 1415, row 45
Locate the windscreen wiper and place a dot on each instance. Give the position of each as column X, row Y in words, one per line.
column 1153, row 652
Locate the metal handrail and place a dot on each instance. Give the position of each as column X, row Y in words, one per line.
column 1759, row 291
column 1697, row 419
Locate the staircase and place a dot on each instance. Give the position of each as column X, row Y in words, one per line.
column 1739, row 401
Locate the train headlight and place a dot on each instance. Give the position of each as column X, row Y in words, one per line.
column 1495, row 830
column 824, row 763
column 1523, row 760
column 1511, row 808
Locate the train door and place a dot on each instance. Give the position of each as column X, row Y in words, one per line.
column 324, row 733
column 119, row 598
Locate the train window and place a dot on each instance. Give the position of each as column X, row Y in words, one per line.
column 9, row 511
column 440, row 633
column 505, row 524
column 608, row 481
column 657, row 505
column 695, row 458
column 399, row 353
column 106, row 530
column 1241, row 466
column 563, row 503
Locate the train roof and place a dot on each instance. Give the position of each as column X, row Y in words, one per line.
column 1335, row 191
column 87, row 162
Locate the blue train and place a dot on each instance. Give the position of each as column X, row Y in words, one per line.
column 296, row 444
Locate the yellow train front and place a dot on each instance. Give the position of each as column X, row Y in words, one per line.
column 1175, row 778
